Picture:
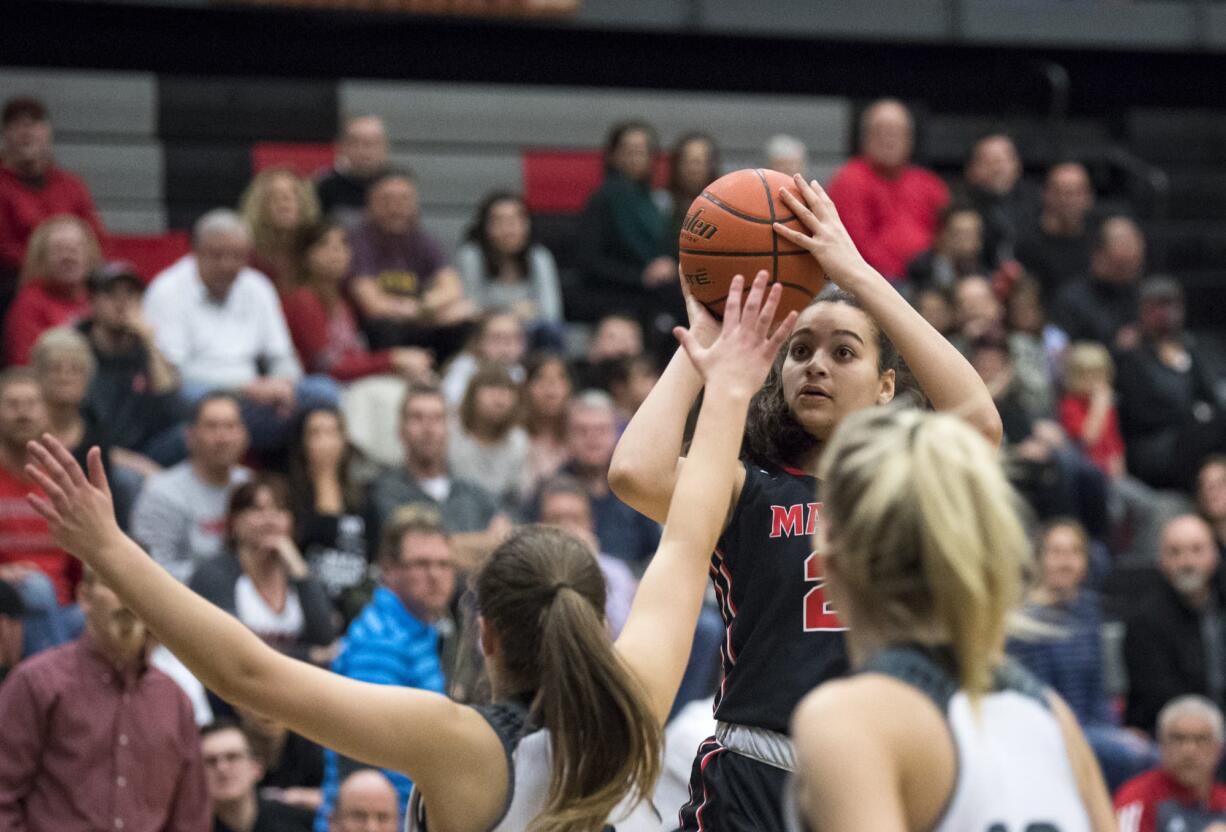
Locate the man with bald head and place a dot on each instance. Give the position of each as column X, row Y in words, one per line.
column 1175, row 643
column 361, row 156
column 366, row 802
column 889, row 206
column 1056, row 247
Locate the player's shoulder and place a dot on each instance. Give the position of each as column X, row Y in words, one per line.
column 871, row 697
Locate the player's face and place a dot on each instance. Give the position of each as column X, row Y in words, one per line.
column 830, row 369
column 1189, row 750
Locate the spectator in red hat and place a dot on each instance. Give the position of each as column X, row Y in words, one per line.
column 62, row 253
column 32, row 188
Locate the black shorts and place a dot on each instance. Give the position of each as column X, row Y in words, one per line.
column 731, row 793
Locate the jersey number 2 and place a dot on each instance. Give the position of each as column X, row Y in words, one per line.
column 820, row 616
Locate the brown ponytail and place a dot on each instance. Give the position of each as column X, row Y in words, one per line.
column 543, row 592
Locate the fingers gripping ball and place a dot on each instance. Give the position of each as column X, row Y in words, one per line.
column 728, row 232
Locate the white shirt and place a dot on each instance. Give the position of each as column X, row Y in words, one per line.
column 217, row 343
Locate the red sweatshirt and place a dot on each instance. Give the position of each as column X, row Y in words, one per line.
column 24, row 205
column 330, row 344
column 1147, row 798
column 25, row 536
column 34, row 311
column 889, row 220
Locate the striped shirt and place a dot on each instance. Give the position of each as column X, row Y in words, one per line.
column 385, row 645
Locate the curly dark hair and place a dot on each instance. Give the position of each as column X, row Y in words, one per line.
column 773, row 434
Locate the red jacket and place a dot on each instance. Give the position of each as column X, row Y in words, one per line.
column 23, row 207
column 1154, row 802
column 330, row 344
column 889, row 220
column 34, row 311
column 1110, row 445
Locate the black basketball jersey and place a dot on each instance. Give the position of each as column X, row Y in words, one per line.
column 783, row 638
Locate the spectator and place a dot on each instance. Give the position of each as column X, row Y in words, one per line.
column 64, row 364
column 1056, row 247
column 889, row 206
column 1174, row 642
column 365, row 802
column 937, row 308
column 361, row 156
column 1087, row 409
column 278, row 207
column 61, row 254
column 1181, row 794
column 470, row 515
column 1211, row 497
column 293, row 765
column 12, row 629
column 322, row 322
column 617, row 336
column 95, row 738
column 133, row 385
column 500, row 340
column 1103, row 305
column 1054, row 477
column 487, row 445
column 220, row 324
column 44, row 624
column 591, row 435
column 1029, row 327
column 1171, row 413
column 393, row 641
column 978, row 310
column 261, row 579
column 565, row 504
column 693, row 164
column 24, row 536
column 232, row 772
column 405, row 290
column 180, row 515
column 1071, row 663
column 329, row 511
column 788, row 155
column 623, row 263
column 547, row 390
column 503, row 269
column 32, row 188
column 995, row 187
column 628, row 381
column 957, row 251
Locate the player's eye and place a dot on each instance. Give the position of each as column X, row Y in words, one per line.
column 845, row 353
column 799, row 351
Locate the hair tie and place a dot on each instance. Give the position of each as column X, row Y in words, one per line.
column 558, row 587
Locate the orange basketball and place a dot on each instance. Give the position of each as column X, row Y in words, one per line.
column 728, row 232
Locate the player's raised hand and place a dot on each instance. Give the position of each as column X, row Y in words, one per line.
column 79, row 509
column 741, row 356
column 827, row 240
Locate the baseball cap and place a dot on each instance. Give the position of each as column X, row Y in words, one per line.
column 10, row 601
column 107, row 276
column 23, row 105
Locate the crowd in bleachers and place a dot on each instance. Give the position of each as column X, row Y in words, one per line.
column 323, row 423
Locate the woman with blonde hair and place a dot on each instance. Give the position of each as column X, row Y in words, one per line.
column 62, row 253
column 924, row 553
column 575, row 729
column 278, row 205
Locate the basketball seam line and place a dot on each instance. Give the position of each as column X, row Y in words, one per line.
column 736, row 212
column 714, row 253
column 770, row 204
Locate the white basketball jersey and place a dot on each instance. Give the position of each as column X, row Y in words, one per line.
column 530, row 758
column 1013, row 769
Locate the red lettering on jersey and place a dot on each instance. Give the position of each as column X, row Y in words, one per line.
column 787, row 520
column 819, row 614
column 815, row 513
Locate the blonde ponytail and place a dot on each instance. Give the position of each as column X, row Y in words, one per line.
column 925, row 533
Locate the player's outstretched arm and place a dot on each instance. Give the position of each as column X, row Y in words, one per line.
column 946, row 377
column 658, row 635
column 647, row 461
column 422, row 734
